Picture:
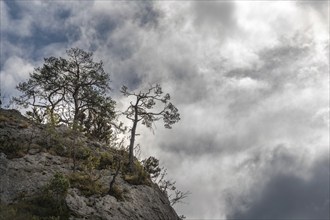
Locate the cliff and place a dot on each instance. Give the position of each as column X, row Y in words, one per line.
column 38, row 181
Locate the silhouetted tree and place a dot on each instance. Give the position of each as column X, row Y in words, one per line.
column 70, row 90
column 141, row 110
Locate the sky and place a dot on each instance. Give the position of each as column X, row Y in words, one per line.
column 250, row 80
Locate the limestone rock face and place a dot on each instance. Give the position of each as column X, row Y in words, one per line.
column 27, row 175
column 142, row 202
column 24, row 176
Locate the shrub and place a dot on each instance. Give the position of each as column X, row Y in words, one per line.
column 117, row 192
column 10, row 146
column 151, row 165
column 106, row 160
column 139, row 177
column 52, row 200
column 4, row 118
column 82, row 152
column 53, row 142
column 86, row 184
column 59, row 185
column 7, row 212
column 49, row 204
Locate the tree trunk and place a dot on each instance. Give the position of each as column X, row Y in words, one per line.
column 75, row 125
column 114, row 178
column 132, row 140
column 52, row 117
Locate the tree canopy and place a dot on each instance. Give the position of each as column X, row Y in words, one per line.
column 72, row 90
column 142, row 109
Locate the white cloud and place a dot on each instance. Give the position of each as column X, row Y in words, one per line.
column 15, row 70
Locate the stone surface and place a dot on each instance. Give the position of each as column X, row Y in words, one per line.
column 27, row 175
column 22, row 177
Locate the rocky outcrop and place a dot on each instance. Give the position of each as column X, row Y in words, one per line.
column 26, row 175
column 141, row 202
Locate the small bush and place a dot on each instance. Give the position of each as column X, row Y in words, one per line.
column 117, row 192
column 59, row 185
column 59, row 150
column 82, row 153
column 11, row 147
column 86, row 184
column 49, row 204
column 52, row 200
column 54, row 142
column 7, row 212
column 106, row 161
column 139, row 177
column 151, row 165
column 4, row 118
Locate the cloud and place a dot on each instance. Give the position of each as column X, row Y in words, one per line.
column 321, row 7
column 15, row 70
column 289, row 196
column 214, row 16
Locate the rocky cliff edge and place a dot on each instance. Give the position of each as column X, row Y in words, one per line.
column 37, row 180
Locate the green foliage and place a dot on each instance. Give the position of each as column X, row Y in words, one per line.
column 98, row 124
column 52, row 117
column 138, row 177
column 90, row 164
column 8, row 212
column 20, row 211
column 49, row 204
column 146, row 101
column 10, row 146
column 11, row 118
column 106, row 160
column 151, row 165
column 52, row 200
column 55, row 142
column 83, row 152
column 4, row 119
column 87, row 185
column 59, row 185
column 143, row 109
column 72, row 91
column 166, row 186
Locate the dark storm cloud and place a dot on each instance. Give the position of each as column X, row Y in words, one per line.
column 33, row 26
column 147, row 14
column 15, row 10
column 132, row 79
column 113, row 29
column 190, row 85
column 207, row 141
column 288, row 196
column 118, row 34
column 104, row 26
